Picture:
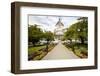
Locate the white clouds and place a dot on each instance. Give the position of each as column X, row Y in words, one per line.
column 48, row 22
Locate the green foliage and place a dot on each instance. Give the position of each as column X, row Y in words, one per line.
column 48, row 36
column 78, row 49
column 78, row 30
column 81, row 50
column 34, row 34
column 35, row 49
column 35, row 52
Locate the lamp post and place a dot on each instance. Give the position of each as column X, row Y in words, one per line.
column 78, row 33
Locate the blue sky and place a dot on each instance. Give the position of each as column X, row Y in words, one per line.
column 48, row 22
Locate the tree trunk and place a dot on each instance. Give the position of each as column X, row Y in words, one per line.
column 47, row 46
column 82, row 40
column 70, row 41
column 33, row 44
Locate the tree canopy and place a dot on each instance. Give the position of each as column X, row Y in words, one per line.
column 48, row 36
column 78, row 30
column 34, row 34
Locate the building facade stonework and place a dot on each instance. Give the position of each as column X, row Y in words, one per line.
column 59, row 30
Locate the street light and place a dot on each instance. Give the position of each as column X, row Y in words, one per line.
column 78, row 34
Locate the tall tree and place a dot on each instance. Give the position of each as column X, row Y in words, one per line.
column 35, row 34
column 78, row 30
column 48, row 36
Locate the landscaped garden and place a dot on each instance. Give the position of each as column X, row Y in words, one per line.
column 81, row 50
column 40, row 43
column 38, row 52
column 76, row 38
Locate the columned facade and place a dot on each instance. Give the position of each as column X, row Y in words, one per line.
column 59, row 30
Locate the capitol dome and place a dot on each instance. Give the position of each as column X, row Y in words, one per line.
column 59, row 30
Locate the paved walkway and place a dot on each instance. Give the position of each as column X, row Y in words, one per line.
column 60, row 52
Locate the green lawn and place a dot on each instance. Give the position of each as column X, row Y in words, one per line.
column 38, row 52
column 35, row 49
